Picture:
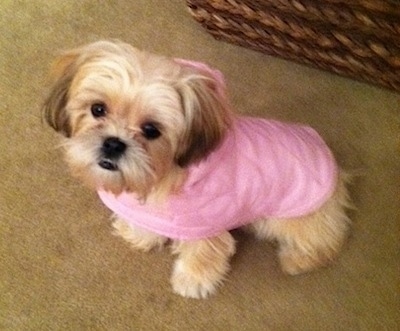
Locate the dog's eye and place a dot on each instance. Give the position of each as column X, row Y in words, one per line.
column 150, row 131
column 98, row 110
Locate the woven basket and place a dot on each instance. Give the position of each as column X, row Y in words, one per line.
column 354, row 38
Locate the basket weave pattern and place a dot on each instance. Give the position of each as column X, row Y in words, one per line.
column 354, row 38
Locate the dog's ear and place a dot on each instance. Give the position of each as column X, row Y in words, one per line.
column 207, row 117
column 62, row 74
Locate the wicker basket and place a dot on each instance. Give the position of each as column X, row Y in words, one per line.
column 354, row 38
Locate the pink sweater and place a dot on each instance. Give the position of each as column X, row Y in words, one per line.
column 263, row 169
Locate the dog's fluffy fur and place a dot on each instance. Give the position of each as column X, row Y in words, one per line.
column 169, row 116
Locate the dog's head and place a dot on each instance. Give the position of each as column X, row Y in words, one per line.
column 130, row 118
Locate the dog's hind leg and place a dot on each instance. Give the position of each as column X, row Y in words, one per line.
column 310, row 241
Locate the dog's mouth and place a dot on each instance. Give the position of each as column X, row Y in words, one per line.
column 108, row 164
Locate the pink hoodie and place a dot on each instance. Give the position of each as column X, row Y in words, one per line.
column 262, row 169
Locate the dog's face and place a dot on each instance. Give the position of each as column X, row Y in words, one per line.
column 132, row 119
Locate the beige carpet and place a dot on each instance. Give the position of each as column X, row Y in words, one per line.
column 61, row 269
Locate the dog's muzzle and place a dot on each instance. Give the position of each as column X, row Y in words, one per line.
column 113, row 148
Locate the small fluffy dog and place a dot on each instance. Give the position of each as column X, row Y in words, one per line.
column 158, row 140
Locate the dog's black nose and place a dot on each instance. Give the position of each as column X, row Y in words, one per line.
column 113, row 148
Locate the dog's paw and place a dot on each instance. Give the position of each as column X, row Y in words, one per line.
column 190, row 284
column 296, row 265
column 295, row 262
column 138, row 238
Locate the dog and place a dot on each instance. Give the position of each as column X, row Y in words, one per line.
column 157, row 138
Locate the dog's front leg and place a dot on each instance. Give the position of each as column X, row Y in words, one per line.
column 201, row 265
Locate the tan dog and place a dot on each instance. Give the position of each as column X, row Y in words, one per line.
column 140, row 126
